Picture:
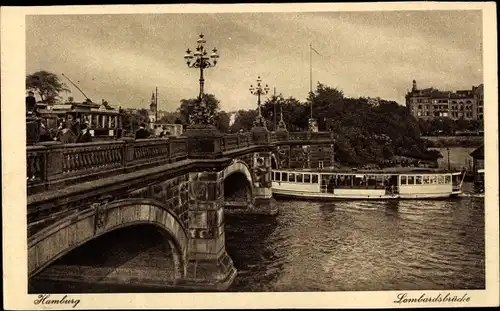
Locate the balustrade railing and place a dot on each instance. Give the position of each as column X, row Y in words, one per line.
column 236, row 141
column 178, row 149
column 297, row 136
column 89, row 157
column 36, row 163
column 321, row 135
column 146, row 150
column 50, row 163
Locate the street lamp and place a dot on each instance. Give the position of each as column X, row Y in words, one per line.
column 201, row 60
column 258, row 90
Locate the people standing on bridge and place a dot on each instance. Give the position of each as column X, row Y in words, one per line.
column 164, row 133
column 44, row 133
column 31, row 109
column 84, row 136
column 65, row 135
column 142, row 132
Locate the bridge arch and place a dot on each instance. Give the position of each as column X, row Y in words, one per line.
column 67, row 234
column 234, row 173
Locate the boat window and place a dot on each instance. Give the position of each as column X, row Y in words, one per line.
column 447, row 179
column 403, row 179
column 426, row 180
column 418, row 180
column 441, row 179
column 277, row 176
column 372, row 180
column 284, row 176
column 314, row 179
column 291, row 177
column 433, row 180
column 411, row 180
column 307, row 178
column 299, row 177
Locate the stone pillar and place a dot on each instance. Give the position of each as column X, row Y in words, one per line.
column 209, row 267
column 260, row 135
column 263, row 202
column 282, row 134
column 204, row 142
column 55, row 160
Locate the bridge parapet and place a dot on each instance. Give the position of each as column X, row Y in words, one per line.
column 236, row 141
column 52, row 165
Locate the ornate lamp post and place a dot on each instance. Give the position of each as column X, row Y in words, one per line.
column 258, row 90
column 281, row 124
column 201, row 60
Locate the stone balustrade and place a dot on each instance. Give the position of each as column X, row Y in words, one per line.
column 236, row 141
column 51, row 165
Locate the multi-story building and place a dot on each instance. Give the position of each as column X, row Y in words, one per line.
column 431, row 103
column 479, row 95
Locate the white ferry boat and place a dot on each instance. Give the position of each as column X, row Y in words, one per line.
column 412, row 183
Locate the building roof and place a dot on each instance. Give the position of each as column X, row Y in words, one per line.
column 437, row 94
column 478, row 153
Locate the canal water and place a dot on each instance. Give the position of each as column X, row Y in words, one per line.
column 323, row 246
column 360, row 245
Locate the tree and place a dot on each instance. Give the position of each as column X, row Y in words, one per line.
column 244, row 120
column 192, row 111
column 131, row 120
column 47, row 85
column 275, row 102
column 169, row 117
column 223, row 121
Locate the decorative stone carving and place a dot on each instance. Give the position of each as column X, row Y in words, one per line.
column 198, row 190
column 261, row 171
column 100, row 213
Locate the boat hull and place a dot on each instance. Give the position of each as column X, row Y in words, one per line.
column 279, row 193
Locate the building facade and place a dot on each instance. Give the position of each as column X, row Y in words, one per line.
column 431, row 103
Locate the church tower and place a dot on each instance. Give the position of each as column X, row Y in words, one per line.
column 152, row 106
column 152, row 109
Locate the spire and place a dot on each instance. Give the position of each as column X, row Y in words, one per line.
column 281, row 123
column 152, row 106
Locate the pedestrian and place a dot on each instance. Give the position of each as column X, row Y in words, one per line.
column 44, row 132
column 84, row 136
column 164, row 133
column 142, row 132
column 31, row 104
column 65, row 135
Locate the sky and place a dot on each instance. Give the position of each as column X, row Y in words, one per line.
column 122, row 58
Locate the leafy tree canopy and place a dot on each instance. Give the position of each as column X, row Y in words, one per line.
column 46, row 85
column 192, row 111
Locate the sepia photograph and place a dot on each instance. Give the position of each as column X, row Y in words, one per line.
column 286, row 150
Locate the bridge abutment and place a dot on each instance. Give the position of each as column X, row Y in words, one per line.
column 263, row 202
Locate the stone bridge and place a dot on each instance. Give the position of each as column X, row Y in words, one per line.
column 181, row 187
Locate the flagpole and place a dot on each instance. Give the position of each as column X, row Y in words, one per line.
column 275, row 102
column 310, row 76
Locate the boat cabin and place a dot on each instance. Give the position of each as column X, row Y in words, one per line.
column 366, row 185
